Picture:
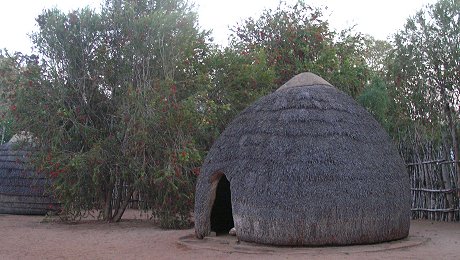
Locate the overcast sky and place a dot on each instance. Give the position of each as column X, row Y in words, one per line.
column 379, row 18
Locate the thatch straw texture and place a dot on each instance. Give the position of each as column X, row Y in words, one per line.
column 22, row 190
column 307, row 166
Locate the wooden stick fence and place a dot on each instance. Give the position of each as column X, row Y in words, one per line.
column 433, row 175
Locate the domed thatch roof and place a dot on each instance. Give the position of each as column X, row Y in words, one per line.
column 22, row 190
column 306, row 165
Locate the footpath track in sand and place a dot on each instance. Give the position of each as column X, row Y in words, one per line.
column 29, row 237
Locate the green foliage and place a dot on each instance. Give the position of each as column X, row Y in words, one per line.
column 376, row 53
column 175, row 159
column 106, row 105
column 376, row 100
column 297, row 39
column 235, row 80
column 10, row 76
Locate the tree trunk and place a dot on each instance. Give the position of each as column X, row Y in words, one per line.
column 119, row 197
column 107, row 214
column 123, row 206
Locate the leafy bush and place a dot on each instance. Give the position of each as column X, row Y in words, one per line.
column 104, row 103
column 297, row 38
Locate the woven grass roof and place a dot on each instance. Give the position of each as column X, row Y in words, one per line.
column 307, row 166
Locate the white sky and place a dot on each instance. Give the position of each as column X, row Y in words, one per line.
column 379, row 18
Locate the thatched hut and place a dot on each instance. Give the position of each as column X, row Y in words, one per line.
column 305, row 165
column 22, row 190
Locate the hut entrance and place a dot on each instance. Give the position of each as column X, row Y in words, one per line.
column 221, row 214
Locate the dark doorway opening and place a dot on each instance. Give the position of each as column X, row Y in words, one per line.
column 221, row 214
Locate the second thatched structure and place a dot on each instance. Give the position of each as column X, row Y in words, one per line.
column 305, row 165
column 22, row 189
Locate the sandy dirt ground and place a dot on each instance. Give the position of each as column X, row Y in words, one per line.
column 29, row 237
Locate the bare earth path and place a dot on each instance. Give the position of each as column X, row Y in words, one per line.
column 27, row 237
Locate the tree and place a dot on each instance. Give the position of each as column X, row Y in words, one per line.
column 426, row 65
column 297, row 39
column 106, row 106
column 10, row 73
